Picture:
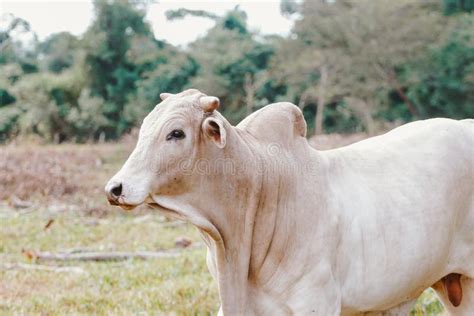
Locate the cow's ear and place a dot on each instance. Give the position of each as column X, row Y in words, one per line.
column 213, row 128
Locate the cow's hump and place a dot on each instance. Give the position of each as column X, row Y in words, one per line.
column 277, row 122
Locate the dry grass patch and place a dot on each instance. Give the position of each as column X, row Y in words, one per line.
column 55, row 172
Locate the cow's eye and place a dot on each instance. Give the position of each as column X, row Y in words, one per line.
column 175, row 134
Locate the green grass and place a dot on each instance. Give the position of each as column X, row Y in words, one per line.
column 427, row 304
column 179, row 285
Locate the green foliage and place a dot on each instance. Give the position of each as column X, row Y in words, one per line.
column 9, row 116
column 445, row 85
column 171, row 75
column 393, row 60
column 456, row 6
column 251, row 62
column 87, row 117
column 10, row 50
column 183, row 12
column 235, row 20
column 6, row 98
column 288, row 7
column 28, row 66
column 111, row 76
column 233, row 65
column 59, row 51
column 339, row 117
column 427, row 304
column 43, row 100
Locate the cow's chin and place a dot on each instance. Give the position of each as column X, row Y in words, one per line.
column 164, row 210
column 128, row 207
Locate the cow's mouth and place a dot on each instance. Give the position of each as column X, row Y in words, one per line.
column 125, row 206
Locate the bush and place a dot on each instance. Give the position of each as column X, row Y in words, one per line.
column 446, row 79
column 6, row 98
column 9, row 116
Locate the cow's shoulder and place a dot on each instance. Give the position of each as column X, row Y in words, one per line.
column 277, row 122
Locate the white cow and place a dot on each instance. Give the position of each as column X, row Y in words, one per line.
column 292, row 230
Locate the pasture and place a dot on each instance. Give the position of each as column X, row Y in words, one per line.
column 52, row 201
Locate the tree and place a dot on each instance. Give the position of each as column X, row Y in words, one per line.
column 307, row 77
column 183, row 12
column 442, row 82
column 10, row 49
column 348, row 64
column 112, row 76
column 361, row 44
column 456, row 6
column 232, row 65
column 58, row 51
column 165, row 70
column 288, row 7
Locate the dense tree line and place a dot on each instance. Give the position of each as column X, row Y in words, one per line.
column 351, row 65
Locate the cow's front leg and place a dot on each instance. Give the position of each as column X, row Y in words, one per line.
column 302, row 301
column 319, row 293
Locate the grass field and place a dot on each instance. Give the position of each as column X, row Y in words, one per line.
column 51, row 200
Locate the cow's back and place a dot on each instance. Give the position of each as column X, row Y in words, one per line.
column 405, row 198
column 437, row 142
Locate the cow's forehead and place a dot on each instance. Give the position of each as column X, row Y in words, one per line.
column 184, row 108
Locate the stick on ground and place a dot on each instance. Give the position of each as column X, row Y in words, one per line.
column 103, row 256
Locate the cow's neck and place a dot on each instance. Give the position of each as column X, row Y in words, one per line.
column 233, row 253
column 233, row 216
column 247, row 217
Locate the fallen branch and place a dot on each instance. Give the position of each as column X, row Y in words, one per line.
column 180, row 243
column 104, row 256
column 24, row 266
column 16, row 202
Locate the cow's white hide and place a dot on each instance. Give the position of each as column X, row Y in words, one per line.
column 293, row 230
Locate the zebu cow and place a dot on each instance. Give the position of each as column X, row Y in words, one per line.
column 292, row 230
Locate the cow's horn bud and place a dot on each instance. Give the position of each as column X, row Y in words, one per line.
column 164, row 96
column 209, row 104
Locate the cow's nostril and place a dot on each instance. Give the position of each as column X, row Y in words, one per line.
column 117, row 191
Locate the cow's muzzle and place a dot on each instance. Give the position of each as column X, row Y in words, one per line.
column 113, row 191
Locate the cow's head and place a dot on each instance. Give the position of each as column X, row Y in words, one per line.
column 180, row 130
